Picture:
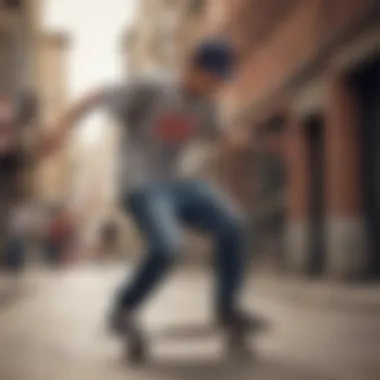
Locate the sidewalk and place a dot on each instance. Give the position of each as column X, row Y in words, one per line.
column 10, row 285
column 361, row 298
column 16, row 287
column 58, row 332
column 294, row 292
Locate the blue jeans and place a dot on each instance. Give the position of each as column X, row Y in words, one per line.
column 15, row 252
column 160, row 211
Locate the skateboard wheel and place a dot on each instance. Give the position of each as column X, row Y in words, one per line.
column 136, row 352
column 237, row 344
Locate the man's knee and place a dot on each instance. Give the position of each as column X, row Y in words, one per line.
column 231, row 229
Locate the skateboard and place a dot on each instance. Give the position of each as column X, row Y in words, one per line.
column 236, row 341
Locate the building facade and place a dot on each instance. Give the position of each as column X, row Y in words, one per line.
column 54, row 175
column 28, row 58
column 308, row 82
column 33, row 71
column 19, row 23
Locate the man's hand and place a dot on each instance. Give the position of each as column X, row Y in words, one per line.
column 240, row 139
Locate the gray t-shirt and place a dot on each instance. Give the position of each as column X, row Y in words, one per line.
column 159, row 122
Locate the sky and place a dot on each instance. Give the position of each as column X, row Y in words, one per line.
column 94, row 27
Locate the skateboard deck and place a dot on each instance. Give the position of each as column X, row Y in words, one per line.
column 236, row 342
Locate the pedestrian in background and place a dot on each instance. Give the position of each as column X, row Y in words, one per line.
column 17, row 235
column 59, row 237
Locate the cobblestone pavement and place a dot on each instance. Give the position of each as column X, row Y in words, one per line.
column 56, row 331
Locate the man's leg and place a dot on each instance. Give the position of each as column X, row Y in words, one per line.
column 208, row 210
column 154, row 213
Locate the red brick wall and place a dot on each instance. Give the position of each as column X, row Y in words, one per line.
column 302, row 29
column 289, row 40
column 342, row 151
column 288, row 48
column 336, row 15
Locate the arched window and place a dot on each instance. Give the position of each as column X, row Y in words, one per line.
column 196, row 7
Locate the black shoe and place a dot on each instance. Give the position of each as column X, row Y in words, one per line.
column 123, row 326
column 240, row 320
column 118, row 322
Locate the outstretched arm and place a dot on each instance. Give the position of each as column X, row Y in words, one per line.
column 236, row 139
column 243, row 139
column 49, row 142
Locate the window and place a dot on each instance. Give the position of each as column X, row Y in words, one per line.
column 196, row 6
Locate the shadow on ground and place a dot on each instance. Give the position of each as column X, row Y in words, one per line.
column 199, row 331
column 198, row 369
column 9, row 298
column 215, row 367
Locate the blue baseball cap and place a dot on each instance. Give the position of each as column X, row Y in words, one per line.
column 215, row 56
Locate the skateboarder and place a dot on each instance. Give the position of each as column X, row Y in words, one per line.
column 160, row 117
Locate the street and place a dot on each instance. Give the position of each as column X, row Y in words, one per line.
column 55, row 330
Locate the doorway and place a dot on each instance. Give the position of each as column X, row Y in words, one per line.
column 269, row 196
column 365, row 82
column 314, row 129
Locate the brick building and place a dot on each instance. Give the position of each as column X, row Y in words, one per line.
column 308, row 80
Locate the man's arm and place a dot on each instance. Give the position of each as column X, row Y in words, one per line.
column 224, row 137
column 236, row 139
column 52, row 140
column 243, row 139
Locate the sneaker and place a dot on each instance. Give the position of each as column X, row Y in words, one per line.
column 124, row 327
column 118, row 322
column 241, row 320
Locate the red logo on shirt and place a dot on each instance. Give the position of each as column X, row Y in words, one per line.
column 174, row 127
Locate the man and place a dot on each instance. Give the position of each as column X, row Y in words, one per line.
column 59, row 236
column 160, row 118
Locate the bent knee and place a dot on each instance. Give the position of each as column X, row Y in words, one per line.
column 231, row 227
